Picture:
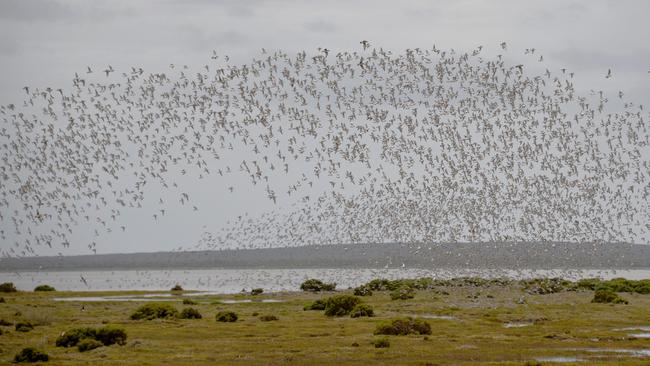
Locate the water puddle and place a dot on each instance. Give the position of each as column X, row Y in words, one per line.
column 639, row 335
column 517, row 324
column 621, row 351
column 246, row 301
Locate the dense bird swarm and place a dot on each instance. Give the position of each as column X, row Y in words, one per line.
column 424, row 145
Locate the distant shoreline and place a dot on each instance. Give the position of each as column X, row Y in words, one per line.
column 514, row 256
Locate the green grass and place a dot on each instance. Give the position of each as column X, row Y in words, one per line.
column 558, row 324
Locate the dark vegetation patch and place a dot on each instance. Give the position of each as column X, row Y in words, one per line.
column 362, row 310
column 24, row 326
column 44, row 288
column 404, row 326
column 402, row 293
column 105, row 336
column 340, row 305
column 7, row 287
column 189, row 302
column 177, row 287
column 153, row 311
column 362, row 290
column 606, row 296
column 381, row 342
column 316, row 305
column 257, row 291
column 31, row 354
column 314, row 285
column 226, row 316
column 88, row 344
column 190, row 313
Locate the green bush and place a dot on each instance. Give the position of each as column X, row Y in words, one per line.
column 190, row 313
column 362, row 290
column 316, row 305
column 257, row 291
column 189, row 302
column 24, row 326
column 226, row 316
column 31, row 354
column 402, row 293
column 153, row 310
column 340, row 305
column 111, row 335
column 362, row 310
column 381, row 342
column 314, row 285
column 44, row 288
column 8, row 287
column 88, row 344
column 404, row 327
column 268, row 318
column 177, row 287
column 607, row 297
column 107, row 336
column 72, row 337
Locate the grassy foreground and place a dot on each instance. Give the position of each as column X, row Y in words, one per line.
column 482, row 323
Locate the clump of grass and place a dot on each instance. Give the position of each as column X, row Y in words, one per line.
column 340, row 305
column 226, row 316
column 5, row 323
column 189, row 302
column 361, row 310
column 31, row 354
column 381, row 342
column 402, row 293
column 268, row 318
column 152, row 311
column 44, row 288
column 24, row 326
column 88, row 344
column 177, row 287
column 190, row 313
column 404, row 326
column 608, row 297
column 106, row 336
column 362, row 290
column 2, row 300
column 8, row 287
column 314, row 285
column 257, row 291
column 545, row 286
column 316, row 305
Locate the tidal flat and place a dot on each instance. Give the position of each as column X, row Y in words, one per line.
column 471, row 324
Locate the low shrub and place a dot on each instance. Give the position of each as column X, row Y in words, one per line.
column 340, row 305
column 177, row 287
column 268, row 318
column 545, row 286
column 31, row 354
column 88, row 344
column 607, row 297
column 362, row 310
column 2, row 300
column 153, row 310
column 257, row 291
column 226, row 316
column 362, row 290
column 402, row 293
column 189, row 302
column 72, row 337
column 190, row 313
column 5, row 323
column 8, row 287
column 24, row 326
column 44, row 288
column 111, row 335
column 106, row 336
column 316, row 305
column 314, row 285
column 381, row 342
column 404, row 327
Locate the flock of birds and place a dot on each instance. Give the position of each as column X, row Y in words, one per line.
column 420, row 146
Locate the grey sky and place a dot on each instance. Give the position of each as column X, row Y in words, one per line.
column 43, row 43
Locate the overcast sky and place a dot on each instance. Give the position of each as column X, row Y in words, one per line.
column 43, row 43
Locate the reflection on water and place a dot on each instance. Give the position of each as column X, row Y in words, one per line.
column 220, row 281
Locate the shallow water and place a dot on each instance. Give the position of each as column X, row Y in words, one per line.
column 222, row 281
column 559, row 359
column 517, row 324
